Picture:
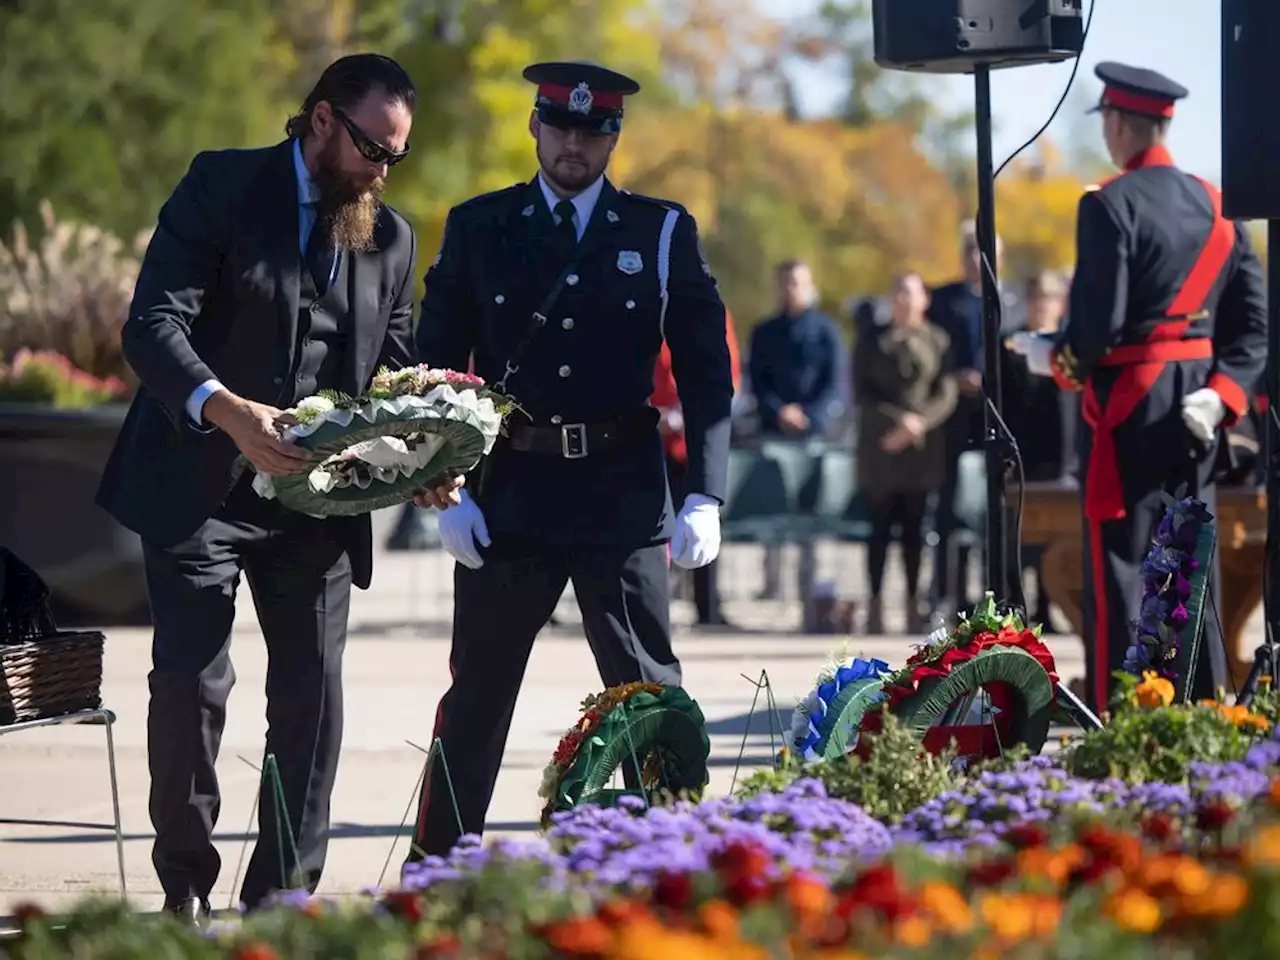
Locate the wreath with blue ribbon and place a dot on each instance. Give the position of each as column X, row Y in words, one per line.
column 826, row 723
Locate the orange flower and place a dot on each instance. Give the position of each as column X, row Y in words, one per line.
column 1133, row 910
column 579, row 936
column 1054, row 865
column 808, row 897
column 1226, row 896
column 1273, row 795
column 946, row 907
column 1263, row 848
column 1154, row 691
column 256, row 951
column 719, row 919
column 1015, row 917
column 913, row 932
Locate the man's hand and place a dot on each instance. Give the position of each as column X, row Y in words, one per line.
column 695, row 542
column 255, row 430
column 969, row 382
column 446, row 494
column 1037, row 349
column 793, row 419
column 463, row 531
column 671, row 422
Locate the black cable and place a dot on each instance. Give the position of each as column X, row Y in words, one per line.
column 991, row 275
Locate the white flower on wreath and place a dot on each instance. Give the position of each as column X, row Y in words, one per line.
column 550, row 778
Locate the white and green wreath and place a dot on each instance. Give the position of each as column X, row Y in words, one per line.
column 414, row 426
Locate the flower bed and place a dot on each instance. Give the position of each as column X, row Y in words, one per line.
column 1016, row 857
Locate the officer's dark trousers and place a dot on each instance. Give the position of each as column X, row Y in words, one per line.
column 301, row 584
column 624, row 597
column 1114, row 550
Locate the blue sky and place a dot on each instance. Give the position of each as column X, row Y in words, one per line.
column 1179, row 38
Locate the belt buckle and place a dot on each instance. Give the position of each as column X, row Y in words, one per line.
column 573, row 441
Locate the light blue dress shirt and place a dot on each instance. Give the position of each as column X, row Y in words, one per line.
column 308, row 197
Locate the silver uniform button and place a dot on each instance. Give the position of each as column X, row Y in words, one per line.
column 631, row 304
column 567, row 323
column 499, row 299
column 565, row 370
column 555, row 418
column 571, row 279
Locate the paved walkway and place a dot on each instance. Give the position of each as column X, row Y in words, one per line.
column 395, row 672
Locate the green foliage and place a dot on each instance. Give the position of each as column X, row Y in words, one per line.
column 1150, row 745
column 894, row 779
column 49, row 379
column 103, row 104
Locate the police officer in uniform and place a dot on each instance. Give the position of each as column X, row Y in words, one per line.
column 564, row 289
column 1166, row 337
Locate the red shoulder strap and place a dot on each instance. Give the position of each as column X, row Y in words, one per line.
column 1208, row 266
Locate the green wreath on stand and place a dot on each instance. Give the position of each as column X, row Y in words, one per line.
column 656, row 731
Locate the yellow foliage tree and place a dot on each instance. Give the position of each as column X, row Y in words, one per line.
column 1036, row 201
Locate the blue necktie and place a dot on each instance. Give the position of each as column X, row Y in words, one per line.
column 319, row 257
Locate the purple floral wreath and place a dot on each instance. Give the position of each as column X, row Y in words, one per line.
column 1167, row 571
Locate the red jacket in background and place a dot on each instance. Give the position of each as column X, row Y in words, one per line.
column 664, row 388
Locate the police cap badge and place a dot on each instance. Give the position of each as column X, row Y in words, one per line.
column 580, row 94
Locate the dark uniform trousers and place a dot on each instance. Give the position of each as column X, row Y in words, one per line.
column 1114, row 550
column 599, row 516
column 300, row 577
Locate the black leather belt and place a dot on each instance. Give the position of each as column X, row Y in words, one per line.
column 573, row 441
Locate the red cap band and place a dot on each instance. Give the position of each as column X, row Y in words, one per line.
column 559, row 94
column 1137, row 103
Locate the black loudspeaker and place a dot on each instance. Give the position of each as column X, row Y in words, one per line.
column 953, row 36
column 1250, row 122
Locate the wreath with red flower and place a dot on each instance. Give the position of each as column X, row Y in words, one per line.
column 655, row 734
column 991, row 661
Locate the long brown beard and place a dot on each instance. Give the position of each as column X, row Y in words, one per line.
column 348, row 211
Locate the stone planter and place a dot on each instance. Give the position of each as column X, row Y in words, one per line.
column 50, row 464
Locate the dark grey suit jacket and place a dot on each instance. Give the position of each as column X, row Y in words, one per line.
column 217, row 298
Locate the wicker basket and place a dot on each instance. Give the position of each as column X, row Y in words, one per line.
column 44, row 672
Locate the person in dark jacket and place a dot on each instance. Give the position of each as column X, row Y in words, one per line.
column 905, row 393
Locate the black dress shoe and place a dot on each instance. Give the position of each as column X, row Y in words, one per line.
column 192, row 911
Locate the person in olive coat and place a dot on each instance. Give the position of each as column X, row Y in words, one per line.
column 905, row 391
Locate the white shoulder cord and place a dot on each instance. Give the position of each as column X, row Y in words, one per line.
column 664, row 265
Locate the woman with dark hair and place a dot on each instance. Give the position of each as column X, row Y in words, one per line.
column 905, row 391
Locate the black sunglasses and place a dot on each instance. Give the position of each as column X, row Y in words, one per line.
column 370, row 148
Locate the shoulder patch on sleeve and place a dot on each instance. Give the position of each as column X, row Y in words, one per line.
column 486, row 198
column 657, row 201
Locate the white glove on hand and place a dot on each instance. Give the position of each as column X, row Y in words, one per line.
column 461, row 527
column 1037, row 349
column 1202, row 412
column 696, row 541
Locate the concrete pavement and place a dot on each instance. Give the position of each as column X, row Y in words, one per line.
column 395, row 672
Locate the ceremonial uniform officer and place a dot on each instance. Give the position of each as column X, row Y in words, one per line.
column 1166, row 335
column 564, row 289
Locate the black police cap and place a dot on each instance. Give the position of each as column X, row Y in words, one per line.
column 577, row 93
column 1137, row 90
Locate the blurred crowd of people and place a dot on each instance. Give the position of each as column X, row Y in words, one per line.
column 908, row 399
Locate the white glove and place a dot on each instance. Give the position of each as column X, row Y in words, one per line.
column 1037, row 349
column 461, row 527
column 1202, row 412
column 696, row 541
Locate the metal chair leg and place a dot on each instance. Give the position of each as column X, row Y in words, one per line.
column 109, row 720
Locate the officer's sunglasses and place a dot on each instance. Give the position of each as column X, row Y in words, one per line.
column 370, row 148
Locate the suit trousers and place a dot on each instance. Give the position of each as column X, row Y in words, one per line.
column 300, row 579
column 624, row 596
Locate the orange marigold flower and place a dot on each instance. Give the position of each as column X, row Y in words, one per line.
column 806, row 895
column 1019, row 916
column 946, row 907
column 1154, row 691
column 579, row 936
column 1133, row 910
column 1226, row 896
column 719, row 919
column 256, row 951
column 1053, row 865
column 913, row 932
column 1273, row 795
column 1263, row 848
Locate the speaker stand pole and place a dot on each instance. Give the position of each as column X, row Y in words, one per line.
column 993, row 439
column 999, row 452
column 1266, row 659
